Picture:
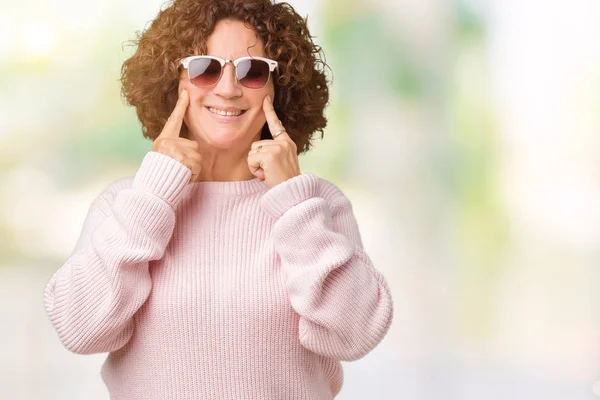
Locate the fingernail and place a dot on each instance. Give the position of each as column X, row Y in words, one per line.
column 269, row 98
column 181, row 94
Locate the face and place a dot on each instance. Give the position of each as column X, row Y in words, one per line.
column 230, row 40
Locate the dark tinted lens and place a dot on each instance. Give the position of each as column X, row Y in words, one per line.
column 253, row 73
column 204, row 71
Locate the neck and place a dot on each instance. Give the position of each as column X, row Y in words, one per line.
column 224, row 165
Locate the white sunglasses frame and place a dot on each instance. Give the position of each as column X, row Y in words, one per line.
column 271, row 63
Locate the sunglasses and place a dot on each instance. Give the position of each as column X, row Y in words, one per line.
column 250, row 72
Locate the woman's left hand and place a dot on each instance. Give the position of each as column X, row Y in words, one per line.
column 275, row 160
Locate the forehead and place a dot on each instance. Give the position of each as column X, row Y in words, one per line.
column 232, row 39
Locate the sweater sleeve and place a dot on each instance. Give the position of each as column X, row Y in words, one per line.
column 92, row 298
column 344, row 304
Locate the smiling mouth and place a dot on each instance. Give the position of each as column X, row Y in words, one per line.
column 224, row 113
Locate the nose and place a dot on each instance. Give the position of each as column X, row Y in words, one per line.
column 228, row 87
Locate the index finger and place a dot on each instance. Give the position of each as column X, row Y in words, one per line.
column 173, row 126
column 273, row 121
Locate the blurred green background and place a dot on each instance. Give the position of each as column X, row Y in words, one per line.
column 466, row 133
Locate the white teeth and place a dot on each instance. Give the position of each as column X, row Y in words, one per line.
column 223, row 112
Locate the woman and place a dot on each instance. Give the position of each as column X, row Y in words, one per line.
column 220, row 271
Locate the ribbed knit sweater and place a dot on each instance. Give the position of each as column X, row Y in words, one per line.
column 219, row 290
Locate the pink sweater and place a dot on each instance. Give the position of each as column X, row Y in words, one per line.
column 219, row 290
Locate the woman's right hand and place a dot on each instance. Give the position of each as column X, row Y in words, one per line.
column 170, row 144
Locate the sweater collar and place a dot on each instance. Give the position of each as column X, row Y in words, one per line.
column 234, row 188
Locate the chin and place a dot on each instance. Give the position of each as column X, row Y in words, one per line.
column 223, row 142
column 222, row 138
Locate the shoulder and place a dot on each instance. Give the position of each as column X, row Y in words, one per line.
column 327, row 189
column 332, row 194
column 109, row 193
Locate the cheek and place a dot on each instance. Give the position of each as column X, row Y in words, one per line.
column 271, row 90
column 185, row 84
column 196, row 94
column 260, row 97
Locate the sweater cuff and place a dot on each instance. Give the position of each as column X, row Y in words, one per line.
column 277, row 200
column 163, row 176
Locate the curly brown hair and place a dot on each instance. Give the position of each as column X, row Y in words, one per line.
column 150, row 77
